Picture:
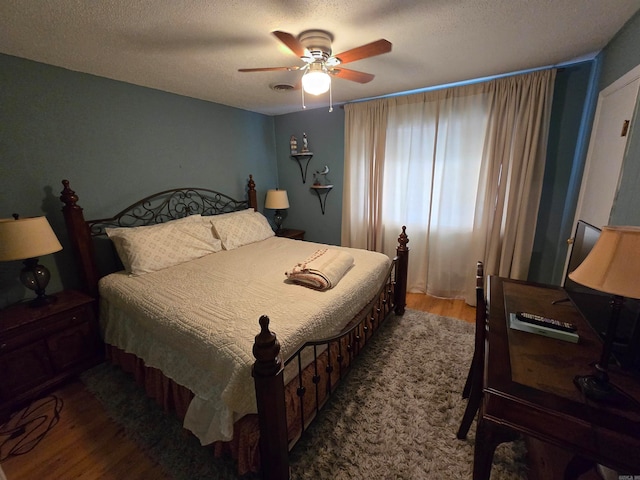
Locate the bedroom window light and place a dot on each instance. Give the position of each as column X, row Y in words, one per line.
column 277, row 200
column 26, row 239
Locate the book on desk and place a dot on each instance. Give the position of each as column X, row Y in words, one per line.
column 542, row 330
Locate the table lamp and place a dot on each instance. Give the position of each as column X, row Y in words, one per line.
column 277, row 200
column 612, row 267
column 27, row 239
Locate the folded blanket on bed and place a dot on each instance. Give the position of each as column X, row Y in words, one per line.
column 322, row 270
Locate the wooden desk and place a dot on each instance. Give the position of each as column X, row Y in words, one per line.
column 528, row 386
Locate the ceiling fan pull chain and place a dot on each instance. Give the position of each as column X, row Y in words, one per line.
column 330, row 99
column 303, row 105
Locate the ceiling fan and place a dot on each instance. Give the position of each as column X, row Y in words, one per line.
column 314, row 49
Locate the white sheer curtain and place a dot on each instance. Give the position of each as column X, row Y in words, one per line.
column 460, row 167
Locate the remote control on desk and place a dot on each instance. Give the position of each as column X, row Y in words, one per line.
column 545, row 322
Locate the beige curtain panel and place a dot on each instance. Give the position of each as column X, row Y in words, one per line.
column 461, row 167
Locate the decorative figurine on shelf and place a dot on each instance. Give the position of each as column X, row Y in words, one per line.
column 305, row 143
column 317, row 182
column 293, row 144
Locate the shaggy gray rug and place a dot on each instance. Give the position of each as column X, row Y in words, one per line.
column 394, row 417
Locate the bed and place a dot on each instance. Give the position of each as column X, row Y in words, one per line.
column 188, row 298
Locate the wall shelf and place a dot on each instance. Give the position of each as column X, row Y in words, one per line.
column 300, row 158
column 322, row 191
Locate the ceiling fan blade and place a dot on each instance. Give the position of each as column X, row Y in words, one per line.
column 365, row 51
column 352, row 75
column 291, row 42
column 268, row 69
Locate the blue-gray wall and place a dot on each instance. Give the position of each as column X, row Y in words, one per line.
column 574, row 98
column 113, row 141
column 621, row 55
column 325, row 131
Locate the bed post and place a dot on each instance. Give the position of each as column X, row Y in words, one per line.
column 402, row 268
column 268, row 374
column 80, row 238
column 253, row 199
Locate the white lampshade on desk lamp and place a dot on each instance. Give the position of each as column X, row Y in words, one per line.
column 277, row 200
column 27, row 239
column 612, row 266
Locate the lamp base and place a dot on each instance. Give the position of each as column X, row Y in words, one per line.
column 277, row 219
column 594, row 387
column 36, row 277
column 42, row 301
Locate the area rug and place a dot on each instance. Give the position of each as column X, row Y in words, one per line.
column 394, row 417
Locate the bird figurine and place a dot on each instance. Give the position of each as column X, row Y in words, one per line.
column 316, row 176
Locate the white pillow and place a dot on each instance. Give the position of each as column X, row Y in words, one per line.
column 154, row 247
column 241, row 228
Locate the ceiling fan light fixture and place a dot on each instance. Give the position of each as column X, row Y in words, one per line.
column 316, row 80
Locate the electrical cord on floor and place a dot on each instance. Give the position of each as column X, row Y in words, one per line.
column 26, row 428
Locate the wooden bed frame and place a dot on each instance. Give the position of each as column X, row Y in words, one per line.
column 268, row 370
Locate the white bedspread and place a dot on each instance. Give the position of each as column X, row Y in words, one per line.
column 197, row 321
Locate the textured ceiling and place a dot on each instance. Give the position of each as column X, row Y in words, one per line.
column 195, row 47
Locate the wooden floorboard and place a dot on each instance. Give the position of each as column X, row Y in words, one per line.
column 86, row 444
column 446, row 307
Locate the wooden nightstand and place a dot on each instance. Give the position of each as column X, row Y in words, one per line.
column 41, row 347
column 291, row 233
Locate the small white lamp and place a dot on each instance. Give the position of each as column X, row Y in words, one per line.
column 27, row 239
column 612, row 266
column 277, row 200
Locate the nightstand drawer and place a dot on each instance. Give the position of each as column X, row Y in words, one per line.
column 28, row 333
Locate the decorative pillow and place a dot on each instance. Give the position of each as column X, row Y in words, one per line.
column 241, row 228
column 150, row 248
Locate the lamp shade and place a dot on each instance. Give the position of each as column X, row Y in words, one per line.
column 613, row 265
column 316, row 80
column 276, row 200
column 26, row 238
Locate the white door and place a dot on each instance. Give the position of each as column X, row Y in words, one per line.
column 607, row 147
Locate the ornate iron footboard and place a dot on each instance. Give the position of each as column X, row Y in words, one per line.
column 327, row 354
